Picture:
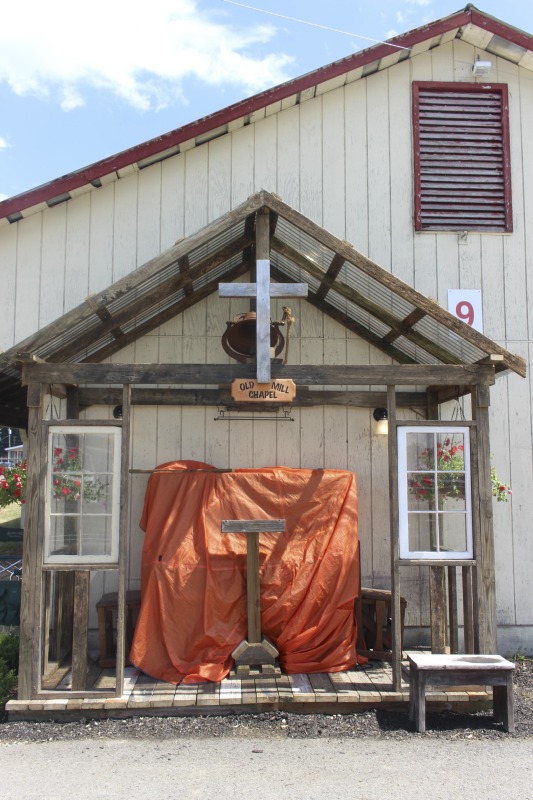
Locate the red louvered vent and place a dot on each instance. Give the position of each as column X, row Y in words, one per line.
column 461, row 159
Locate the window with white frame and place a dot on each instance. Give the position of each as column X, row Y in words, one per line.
column 434, row 493
column 82, row 495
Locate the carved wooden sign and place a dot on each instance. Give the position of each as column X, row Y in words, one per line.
column 279, row 390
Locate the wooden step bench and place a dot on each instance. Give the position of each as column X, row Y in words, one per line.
column 461, row 670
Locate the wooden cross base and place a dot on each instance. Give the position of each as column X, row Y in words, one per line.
column 256, row 651
column 256, row 658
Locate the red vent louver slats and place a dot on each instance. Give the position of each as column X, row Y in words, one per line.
column 462, row 168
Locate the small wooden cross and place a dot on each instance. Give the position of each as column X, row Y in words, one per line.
column 256, row 649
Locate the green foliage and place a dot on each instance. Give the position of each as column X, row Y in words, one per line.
column 9, row 657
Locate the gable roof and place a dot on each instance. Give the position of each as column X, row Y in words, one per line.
column 470, row 25
column 344, row 284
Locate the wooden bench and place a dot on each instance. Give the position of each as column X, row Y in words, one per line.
column 374, row 623
column 107, row 607
column 461, row 670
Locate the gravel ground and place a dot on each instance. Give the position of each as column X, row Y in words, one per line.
column 377, row 723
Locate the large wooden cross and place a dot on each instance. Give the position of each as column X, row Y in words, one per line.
column 262, row 290
column 257, row 650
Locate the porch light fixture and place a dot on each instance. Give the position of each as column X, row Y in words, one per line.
column 381, row 418
column 481, row 67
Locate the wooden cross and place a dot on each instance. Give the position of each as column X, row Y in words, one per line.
column 256, row 649
column 262, row 290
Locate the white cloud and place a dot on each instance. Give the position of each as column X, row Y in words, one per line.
column 4, row 143
column 143, row 53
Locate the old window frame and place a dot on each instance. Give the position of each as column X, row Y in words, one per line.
column 103, row 560
column 403, row 495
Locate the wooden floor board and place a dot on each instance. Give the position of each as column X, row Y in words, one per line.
column 364, row 686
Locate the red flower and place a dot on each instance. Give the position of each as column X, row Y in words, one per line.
column 428, row 481
column 65, row 490
column 422, row 492
column 77, row 482
column 58, row 451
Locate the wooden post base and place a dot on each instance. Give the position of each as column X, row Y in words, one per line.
column 259, row 657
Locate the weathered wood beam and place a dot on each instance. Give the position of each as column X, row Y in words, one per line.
column 168, row 313
column 184, row 268
column 305, row 398
column 433, row 310
column 405, row 325
column 152, row 299
column 308, row 374
column 103, row 313
column 348, row 322
column 486, row 573
column 84, row 313
column 331, row 273
column 360, row 300
column 31, row 591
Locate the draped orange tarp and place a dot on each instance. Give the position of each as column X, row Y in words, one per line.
column 193, row 609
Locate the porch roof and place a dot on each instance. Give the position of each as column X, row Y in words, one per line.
column 344, row 284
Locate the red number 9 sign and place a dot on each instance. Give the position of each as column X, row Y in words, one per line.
column 465, row 304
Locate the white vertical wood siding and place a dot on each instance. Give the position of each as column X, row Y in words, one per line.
column 344, row 159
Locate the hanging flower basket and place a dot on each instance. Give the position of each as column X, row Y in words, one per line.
column 12, row 484
column 449, row 475
column 69, row 482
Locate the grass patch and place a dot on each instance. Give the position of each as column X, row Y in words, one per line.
column 10, row 516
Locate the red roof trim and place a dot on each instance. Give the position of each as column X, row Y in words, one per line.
column 137, row 153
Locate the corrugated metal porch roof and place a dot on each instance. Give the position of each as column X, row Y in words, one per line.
column 407, row 326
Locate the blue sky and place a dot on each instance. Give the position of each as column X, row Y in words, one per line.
column 80, row 85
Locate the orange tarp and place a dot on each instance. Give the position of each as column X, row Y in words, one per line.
column 193, row 609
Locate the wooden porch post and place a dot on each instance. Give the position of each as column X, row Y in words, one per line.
column 394, row 543
column 123, row 538
column 31, row 589
column 437, row 575
column 485, row 588
column 81, row 591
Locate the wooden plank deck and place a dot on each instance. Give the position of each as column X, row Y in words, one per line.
column 366, row 686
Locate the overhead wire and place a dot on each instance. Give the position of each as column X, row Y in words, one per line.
column 314, row 24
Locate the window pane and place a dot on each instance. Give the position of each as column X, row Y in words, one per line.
column 97, row 494
column 96, row 539
column 64, row 536
column 421, row 493
column 451, row 492
column 452, row 529
column 420, row 451
column 422, row 532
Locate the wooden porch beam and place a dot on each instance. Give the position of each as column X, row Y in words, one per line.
column 485, row 569
column 307, row 374
column 405, row 326
column 151, row 299
column 305, row 398
column 418, row 300
column 362, row 301
column 31, row 591
column 329, row 278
